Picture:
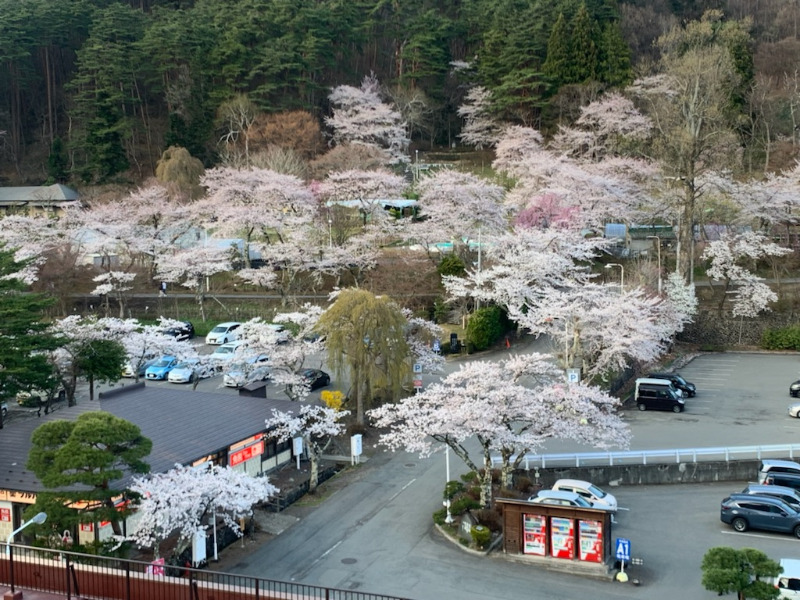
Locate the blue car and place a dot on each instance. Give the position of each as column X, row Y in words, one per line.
column 161, row 368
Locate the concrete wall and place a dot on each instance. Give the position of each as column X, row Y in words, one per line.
column 684, row 472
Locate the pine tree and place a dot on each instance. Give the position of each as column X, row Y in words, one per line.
column 557, row 65
column 57, row 170
column 615, row 57
column 584, row 61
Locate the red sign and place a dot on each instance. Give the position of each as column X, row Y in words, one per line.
column 418, row 383
column 87, row 527
column 5, row 515
column 245, row 454
column 562, row 537
column 591, row 540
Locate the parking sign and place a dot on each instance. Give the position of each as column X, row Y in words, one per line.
column 623, row 549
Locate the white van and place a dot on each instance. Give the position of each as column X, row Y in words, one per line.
column 788, row 582
column 588, row 490
column 223, row 333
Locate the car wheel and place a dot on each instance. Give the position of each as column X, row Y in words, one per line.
column 797, row 531
column 642, row 407
column 739, row 524
column 677, row 408
column 326, row 382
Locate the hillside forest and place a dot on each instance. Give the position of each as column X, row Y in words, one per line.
column 94, row 91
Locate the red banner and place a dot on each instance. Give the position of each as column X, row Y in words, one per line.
column 5, row 515
column 245, row 454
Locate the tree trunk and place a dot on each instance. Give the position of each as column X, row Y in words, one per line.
column 313, row 458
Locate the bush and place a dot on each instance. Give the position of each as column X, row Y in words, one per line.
column 452, row 489
column 523, row 484
column 452, row 265
column 439, row 516
column 481, row 535
column 786, row 338
column 486, row 326
column 463, row 504
column 490, row 518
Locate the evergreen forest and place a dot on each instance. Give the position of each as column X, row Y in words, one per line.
column 94, row 91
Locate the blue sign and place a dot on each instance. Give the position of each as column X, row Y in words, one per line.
column 436, row 346
column 623, row 549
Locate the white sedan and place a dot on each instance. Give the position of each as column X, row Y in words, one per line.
column 189, row 370
column 253, row 369
column 794, row 410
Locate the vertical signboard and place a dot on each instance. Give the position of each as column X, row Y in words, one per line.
column 591, row 540
column 535, row 534
column 562, row 537
column 5, row 515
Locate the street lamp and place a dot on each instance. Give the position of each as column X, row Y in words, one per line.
column 658, row 241
column 37, row 520
column 449, row 518
column 621, row 275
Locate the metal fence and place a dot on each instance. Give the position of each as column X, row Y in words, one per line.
column 76, row 575
column 646, row 457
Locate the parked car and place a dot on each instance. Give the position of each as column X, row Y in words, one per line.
column 794, row 389
column 597, row 497
column 161, row 368
column 788, row 582
column 787, row 494
column 794, row 410
column 746, row 511
column 315, row 378
column 226, row 351
column 253, row 369
column 189, row 370
column 771, row 466
column 658, row 394
column 223, row 333
column 185, row 331
column 32, row 397
column 689, row 389
column 129, row 371
column 3, row 408
column 282, row 336
column 562, row 498
column 789, row 480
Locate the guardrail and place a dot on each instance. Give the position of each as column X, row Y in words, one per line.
column 645, row 457
column 76, row 575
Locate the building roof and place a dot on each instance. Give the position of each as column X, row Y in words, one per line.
column 183, row 424
column 38, row 194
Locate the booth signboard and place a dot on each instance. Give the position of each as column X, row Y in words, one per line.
column 591, row 540
column 5, row 515
column 562, row 537
column 535, row 532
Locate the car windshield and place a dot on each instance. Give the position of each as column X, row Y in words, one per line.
column 224, row 350
column 219, row 329
column 680, row 380
column 581, row 501
column 597, row 491
column 185, row 365
column 164, row 362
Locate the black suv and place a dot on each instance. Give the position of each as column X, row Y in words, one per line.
column 745, row 511
column 679, row 382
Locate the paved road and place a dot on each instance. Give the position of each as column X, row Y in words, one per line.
column 376, row 535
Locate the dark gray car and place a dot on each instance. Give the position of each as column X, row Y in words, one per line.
column 745, row 511
column 787, row 494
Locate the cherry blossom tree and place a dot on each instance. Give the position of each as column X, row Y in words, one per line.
column 481, row 129
column 726, row 255
column 315, row 424
column 360, row 117
column 191, row 266
column 510, row 407
column 181, row 499
column 114, row 283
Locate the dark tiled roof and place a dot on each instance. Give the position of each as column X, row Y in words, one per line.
column 42, row 194
column 183, row 424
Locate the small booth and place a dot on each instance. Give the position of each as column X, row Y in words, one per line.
column 556, row 533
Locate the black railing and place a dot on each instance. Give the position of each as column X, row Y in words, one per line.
column 76, row 575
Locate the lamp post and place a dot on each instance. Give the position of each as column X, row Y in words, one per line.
column 330, row 232
column 658, row 241
column 449, row 518
column 621, row 275
column 37, row 520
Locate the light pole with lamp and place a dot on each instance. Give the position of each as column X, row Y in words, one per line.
column 449, row 518
column 658, row 241
column 621, row 275
column 36, row 520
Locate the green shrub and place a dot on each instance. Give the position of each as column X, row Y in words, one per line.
column 485, row 327
column 463, row 504
column 439, row 516
column 470, row 477
column 786, row 338
column 452, row 489
column 451, row 265
column 481, row 535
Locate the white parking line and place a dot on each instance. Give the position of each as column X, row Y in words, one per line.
column 759, row 535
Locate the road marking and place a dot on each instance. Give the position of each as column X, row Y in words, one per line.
column 402, row 489
column 758, row 535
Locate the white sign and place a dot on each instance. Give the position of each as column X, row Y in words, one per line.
column 297, row 449
column 355, row 448
column 573, row 375
column 417, row 368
